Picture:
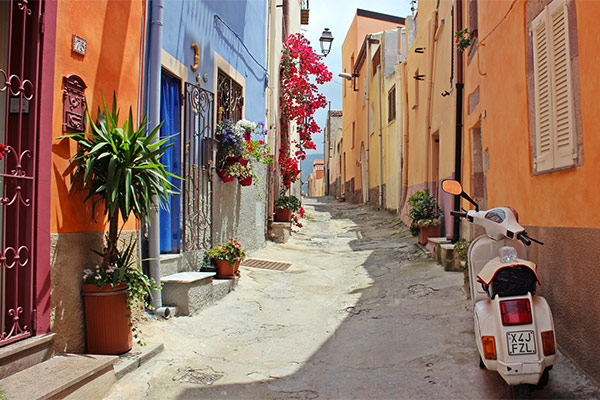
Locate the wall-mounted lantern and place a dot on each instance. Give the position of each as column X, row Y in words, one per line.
column 325, row 41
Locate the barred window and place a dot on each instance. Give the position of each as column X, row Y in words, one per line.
column 230, row 98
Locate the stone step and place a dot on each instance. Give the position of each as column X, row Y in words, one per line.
column 26, row 353
column 136, row 357
column 191, row 292
column 66, row 376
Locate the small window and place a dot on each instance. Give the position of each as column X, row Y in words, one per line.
column 392, row 104
column 230, row 98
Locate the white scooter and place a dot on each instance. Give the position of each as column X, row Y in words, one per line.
column 514, row 329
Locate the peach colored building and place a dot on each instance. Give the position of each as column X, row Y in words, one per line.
column 357, row 61
column 531, row 141
column 316, row 183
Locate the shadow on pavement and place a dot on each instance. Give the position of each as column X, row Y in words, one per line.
column 409, row 336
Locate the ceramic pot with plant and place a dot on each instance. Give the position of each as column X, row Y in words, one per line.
column 285, row 206
column 119, row 167
column 228, row 257
column 239, row 171
column 425, row 215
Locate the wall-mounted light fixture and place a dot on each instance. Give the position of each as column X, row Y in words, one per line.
column 325, row 41
column 350, row 78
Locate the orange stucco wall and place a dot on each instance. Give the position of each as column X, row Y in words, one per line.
column 565, row 198
column 352, row 101
column 113, row 30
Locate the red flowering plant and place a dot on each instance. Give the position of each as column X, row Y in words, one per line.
column 3, row 150
column 301, row 71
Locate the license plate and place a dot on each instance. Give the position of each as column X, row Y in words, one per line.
column 520, row 342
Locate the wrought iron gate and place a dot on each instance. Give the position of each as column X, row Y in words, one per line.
column 197, row 164
column 19, row 73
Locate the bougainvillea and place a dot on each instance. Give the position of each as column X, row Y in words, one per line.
column 301, row 71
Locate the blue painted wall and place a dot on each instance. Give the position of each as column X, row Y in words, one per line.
column 193, row 21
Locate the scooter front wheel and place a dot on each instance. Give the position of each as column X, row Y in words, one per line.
column 520, row 392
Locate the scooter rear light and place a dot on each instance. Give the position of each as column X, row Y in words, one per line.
column 548, row 343
column 515, row 312
column 489, row 347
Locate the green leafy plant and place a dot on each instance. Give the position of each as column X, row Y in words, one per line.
column 424, row 211
column 291, row 203
column 461, row 250
column 119, row 166
column 230, row 251
column 237, row 170
column 463, row 39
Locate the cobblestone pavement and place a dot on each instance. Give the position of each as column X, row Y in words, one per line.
column 362, row 313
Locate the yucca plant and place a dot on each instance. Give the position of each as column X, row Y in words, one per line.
column 119, row 166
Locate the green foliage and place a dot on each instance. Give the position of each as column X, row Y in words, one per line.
column 120, row 165
column 237, row 170
column 463, row 39
column 461, row 249
column 231, row 251
column 292, row 203
column 424, row 210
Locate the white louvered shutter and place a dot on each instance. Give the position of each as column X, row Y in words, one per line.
column 564, row 121
column 543, row 95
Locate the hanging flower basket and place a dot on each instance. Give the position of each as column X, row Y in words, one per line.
column 230, row 160
column 246, row 181
column 224, row 176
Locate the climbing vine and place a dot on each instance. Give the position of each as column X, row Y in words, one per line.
column 301, row 71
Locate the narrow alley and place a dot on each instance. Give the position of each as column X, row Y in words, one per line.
column 361, row 313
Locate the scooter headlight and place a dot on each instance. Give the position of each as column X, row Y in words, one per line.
column 508, row 254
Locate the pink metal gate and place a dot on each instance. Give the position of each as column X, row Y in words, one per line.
column 20, row 31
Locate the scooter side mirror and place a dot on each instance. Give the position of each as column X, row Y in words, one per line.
column 452, row 186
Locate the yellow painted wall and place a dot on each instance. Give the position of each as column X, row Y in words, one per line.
column 352, row 101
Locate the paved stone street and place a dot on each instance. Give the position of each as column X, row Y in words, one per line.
column 362, row 313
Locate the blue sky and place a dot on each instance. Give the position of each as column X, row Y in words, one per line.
column 337, row 15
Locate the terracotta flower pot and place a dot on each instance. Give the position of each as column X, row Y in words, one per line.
column 246, row 181
column 283, row 216
column 108, row 328
column 426, row 233
column 224, row 177
column 226, row 270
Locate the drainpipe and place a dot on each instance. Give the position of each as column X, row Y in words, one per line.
column 380, row 138
column 405, row 128
column 368, row 108
column 459, row 124
column 431, row 50
column 154, row 66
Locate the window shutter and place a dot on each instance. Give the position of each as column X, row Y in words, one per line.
column 564, row 121
column 543, row 101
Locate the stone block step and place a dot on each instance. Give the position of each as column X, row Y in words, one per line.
column 136, row 357
column 190, row 292
column 67, row 376
column 25, row 353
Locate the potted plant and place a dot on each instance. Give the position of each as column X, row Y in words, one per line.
column 118, row 166
column 228, row 257
column 230, row 143
column 285, row 206
column 239, row 171
column 425, row 215
column 461, row 261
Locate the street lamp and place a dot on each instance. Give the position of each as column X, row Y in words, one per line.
column 325, row 41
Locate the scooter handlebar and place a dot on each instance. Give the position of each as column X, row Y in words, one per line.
column 459, row 214
column 523, row 238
